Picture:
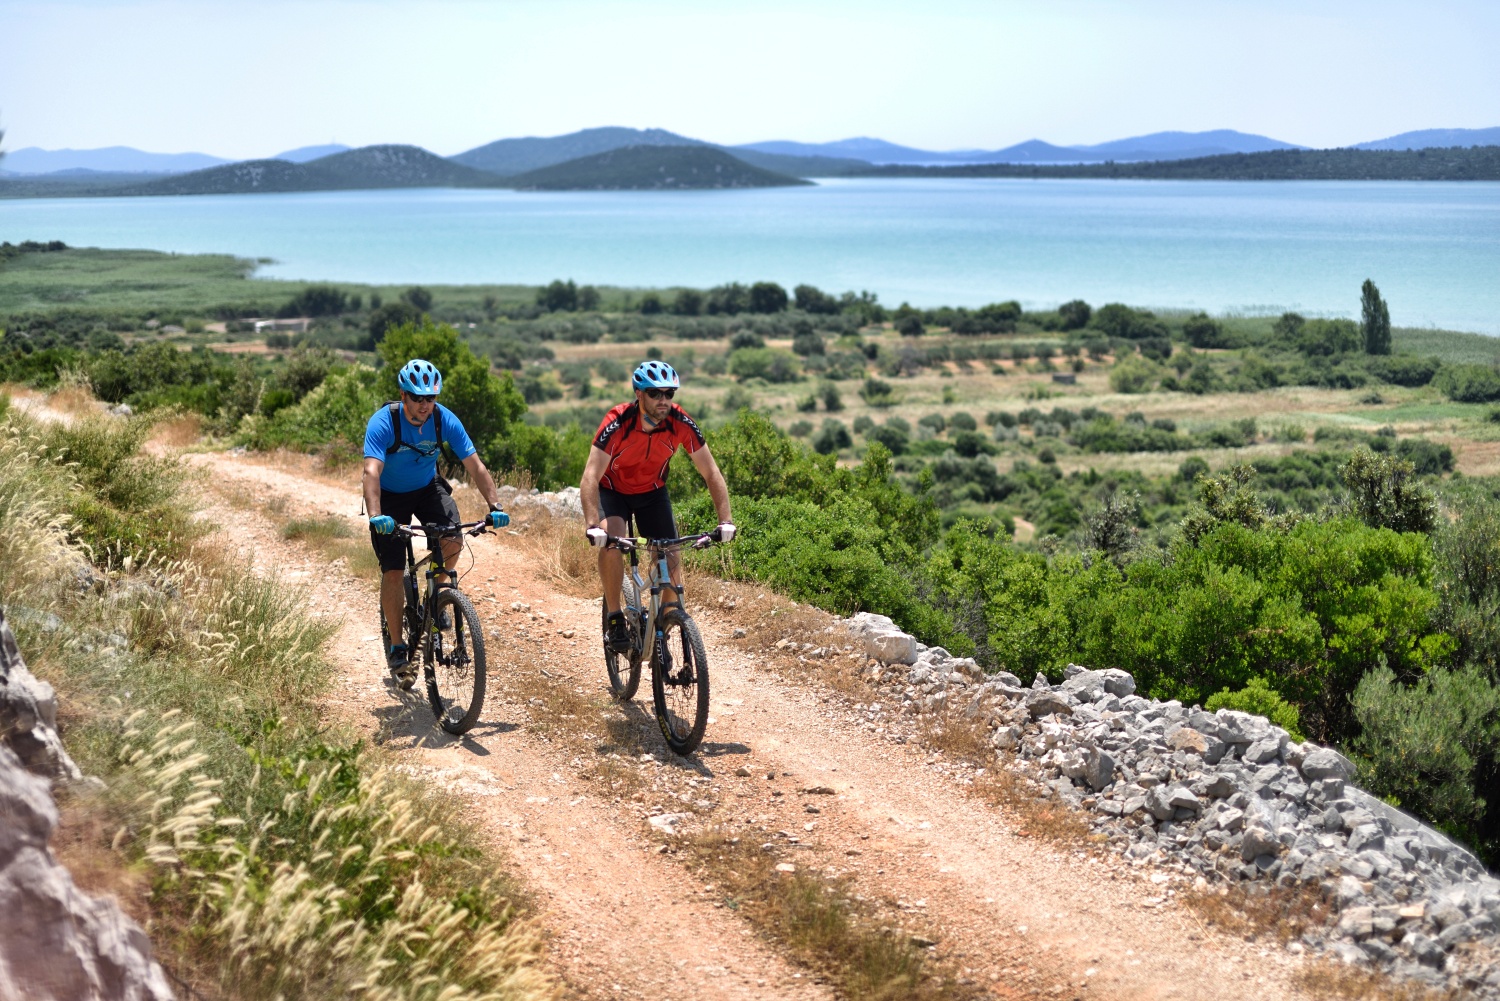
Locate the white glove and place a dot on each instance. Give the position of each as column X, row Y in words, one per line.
column 726, row 531
column 598, row 537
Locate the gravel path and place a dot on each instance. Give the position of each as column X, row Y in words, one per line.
column 1013, row 914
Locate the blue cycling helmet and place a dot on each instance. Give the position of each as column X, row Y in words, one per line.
column 420, row 378
column 655, row 375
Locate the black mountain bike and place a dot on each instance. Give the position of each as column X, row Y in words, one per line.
column 443, row 625
column 665, row 634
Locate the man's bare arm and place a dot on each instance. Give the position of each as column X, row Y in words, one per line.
column 588, row 488
column 370, row 484
column 480, row 476
column 717, row 488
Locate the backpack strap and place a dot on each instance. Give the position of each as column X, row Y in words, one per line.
column 394, row 409
column 437, row 429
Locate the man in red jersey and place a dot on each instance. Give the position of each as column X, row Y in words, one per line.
column 626, row 478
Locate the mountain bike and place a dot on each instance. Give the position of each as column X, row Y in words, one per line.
column 443, row 625
column 664, row 634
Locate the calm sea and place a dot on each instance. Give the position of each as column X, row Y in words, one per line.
column 1434, row 249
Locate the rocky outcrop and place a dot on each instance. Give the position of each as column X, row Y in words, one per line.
column 563, row 503
column 56, row 943
column 28, row 714
column 1223, row 797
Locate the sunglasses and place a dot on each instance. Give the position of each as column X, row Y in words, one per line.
column 422, row 399
column 660, row 394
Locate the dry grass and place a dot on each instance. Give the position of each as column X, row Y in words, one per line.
column 559, row 551
column 178, row 432
column 1330, row 981
column 821, row 925
column 1281, row 913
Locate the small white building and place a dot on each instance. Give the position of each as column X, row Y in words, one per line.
column 295, row 325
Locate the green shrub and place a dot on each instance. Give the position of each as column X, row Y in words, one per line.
column 1421, row 745
column 764, row 363
column 1261, row 699
column 336, row 412
column 1133, row 374
column 1469, row 383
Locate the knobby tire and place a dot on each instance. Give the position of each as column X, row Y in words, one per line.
column 455, row 665
column 624, row 670
column 679, row 682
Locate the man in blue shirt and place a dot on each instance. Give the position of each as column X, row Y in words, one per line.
column 400, row 480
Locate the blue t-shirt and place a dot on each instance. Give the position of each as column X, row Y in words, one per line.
column 407, row 469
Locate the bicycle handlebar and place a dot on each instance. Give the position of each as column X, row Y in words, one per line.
column 699, row 540
column 429, row 531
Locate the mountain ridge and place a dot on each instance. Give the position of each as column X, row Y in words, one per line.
column 659, row 167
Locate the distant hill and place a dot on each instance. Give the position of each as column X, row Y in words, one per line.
column 33, row 160
column 1476, row 164
column 1186, row 145
column 652, row 168
column 799, row 166
column 302, row 154
column 861, row 148
column 1157, row 146
column 508, row 157
column 369, row 167
column 1429, row 138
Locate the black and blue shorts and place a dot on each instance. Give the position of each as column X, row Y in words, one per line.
column 432, row 505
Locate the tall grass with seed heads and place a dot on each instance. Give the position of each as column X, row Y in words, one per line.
column 284, row 860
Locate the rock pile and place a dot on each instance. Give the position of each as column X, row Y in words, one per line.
column 1221, row 796
column 56, row 944
column 563, row 503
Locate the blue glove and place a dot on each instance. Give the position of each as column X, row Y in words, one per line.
column 383, row 524
column 499, row 519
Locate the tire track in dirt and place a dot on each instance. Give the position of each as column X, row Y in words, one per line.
column 1014, row 914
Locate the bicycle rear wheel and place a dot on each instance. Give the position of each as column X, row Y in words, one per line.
column 454, row 659
column 679, row 682
column 625, row 669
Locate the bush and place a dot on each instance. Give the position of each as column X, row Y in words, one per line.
column 832, row 437
column 1075, row 314
column 558, row 297
column 811, row 299
column 728, row 300
column 1421, row 745
column 651, row 304
column 395, row 314
column 767, row 297
column 863, row 424
column 1133, row 375
column 963, row 422
column 808, row 344
column 764, row 363
column 832, row 401
column 800, row 429
column 1261, row 699
column 878, row 393
column 745, row 339
column 1469, row 383
column 1404, row 370
column 910, row 326
column 315, row 300
column 1202, row 331
column 689, row 302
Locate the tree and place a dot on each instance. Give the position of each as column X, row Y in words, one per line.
column 767, row 297
column 1075, row 314
column 419, row 297
column 316, row 300
column 910, row 325
column 393, row 314
column 689, row 302
column 1384, row 493
column 489, row 406
column 650, row 304
column 1203, row 331
column 1375, row 320
column 559, row 296
column 811, row 299
column 588, row 298
column 728, row 300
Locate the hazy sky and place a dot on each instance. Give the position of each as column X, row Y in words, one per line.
column 246, row 78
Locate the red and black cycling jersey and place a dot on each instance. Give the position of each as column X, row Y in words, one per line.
column 639, row 459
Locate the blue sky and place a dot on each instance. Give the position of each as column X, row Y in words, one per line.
column 251, row 77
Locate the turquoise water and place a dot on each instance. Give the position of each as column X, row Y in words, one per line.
column 1434, row 249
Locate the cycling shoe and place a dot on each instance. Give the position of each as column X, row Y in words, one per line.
column 617, row 636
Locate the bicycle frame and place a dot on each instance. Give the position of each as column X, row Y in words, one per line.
column 423, row 627
column 660, row 579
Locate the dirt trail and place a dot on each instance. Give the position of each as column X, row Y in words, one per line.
column 1012, row 913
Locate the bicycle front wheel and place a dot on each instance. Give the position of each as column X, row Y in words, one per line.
column 454, row 658
column 624, row 669
column 679, row 682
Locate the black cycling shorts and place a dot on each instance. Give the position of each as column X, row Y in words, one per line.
column 432, row 505
column 652, row 512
